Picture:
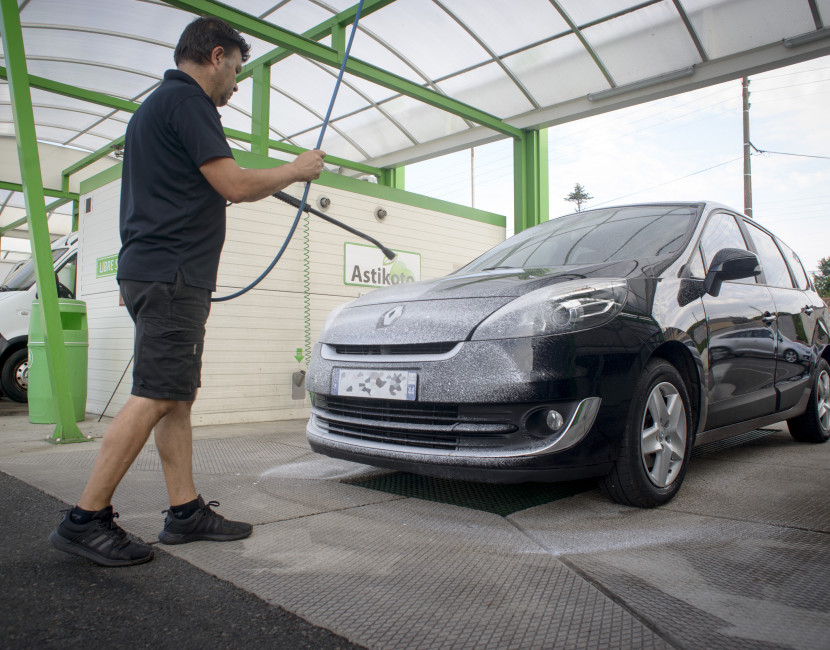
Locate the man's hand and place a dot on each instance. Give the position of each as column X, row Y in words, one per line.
column 237, row 184
column 309, row 165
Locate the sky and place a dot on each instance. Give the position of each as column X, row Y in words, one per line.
column 685, row 147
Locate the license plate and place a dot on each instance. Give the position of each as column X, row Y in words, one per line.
column 375, row 384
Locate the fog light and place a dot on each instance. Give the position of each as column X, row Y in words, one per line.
column 554, row 420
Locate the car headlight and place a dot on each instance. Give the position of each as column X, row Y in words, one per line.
column 558, row 309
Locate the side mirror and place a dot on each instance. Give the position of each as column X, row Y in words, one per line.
column 730, row 264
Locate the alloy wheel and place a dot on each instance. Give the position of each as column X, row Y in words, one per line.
column 663, row 433
column 823, row 400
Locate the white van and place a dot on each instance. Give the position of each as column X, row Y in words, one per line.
column 16, row 295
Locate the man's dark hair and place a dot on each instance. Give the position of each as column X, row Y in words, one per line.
column 202, row 35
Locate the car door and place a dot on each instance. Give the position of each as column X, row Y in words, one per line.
column 742, row 338
column 796, row 322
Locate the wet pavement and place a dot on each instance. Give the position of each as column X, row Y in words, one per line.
column 739, row 559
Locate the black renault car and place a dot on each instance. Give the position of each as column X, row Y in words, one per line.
column 603, row 343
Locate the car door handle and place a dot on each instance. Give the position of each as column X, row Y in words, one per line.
column 807, row 310
column 768, row 318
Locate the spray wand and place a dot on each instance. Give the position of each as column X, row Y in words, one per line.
column 290, row 200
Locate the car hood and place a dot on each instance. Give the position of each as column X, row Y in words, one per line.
column 450, row 308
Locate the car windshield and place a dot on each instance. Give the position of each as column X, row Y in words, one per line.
column 24, row 277
column 605, row 235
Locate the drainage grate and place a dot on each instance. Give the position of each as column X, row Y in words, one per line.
column 728, row 443
column 494, row 498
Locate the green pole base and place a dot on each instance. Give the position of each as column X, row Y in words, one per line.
column 65, row 435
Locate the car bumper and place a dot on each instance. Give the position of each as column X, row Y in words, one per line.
column 481, row 411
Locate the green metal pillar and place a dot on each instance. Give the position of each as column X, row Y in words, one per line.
column 24, row 127
column 393, row 177
column 261, row 113
column 530, row 179
column 76, row 216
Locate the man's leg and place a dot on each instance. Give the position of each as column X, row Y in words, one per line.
column 89, row 529
column 189, row 518
column 174, row 441
column 122, row 443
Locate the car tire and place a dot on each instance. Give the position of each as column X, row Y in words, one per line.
column 814, row 424
column 14, row 375
column 790, row 356
column 657, row 440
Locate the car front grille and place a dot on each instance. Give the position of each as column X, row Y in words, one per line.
column 411, row 424
column 416, row 349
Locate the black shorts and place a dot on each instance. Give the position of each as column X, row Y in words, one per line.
column 169, row 337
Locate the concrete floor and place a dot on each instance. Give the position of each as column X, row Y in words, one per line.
column 739, row 559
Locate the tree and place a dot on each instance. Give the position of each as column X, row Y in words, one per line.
column 578, row 196
column 822, row 277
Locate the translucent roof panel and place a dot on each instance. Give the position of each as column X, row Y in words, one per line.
column 422, row 32
column 621, row 43
column 100, row 78
column 526, row 21
column 729, row 26
column 490, row 88
column 584, row 12
column 158, row 22
column 519, row 62
column 557, row 71
column 298, row 16
column 311, row 86
column 368, row 128
column 368, row 46
column 419, row 121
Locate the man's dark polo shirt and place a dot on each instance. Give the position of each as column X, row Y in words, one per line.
column 171, row 217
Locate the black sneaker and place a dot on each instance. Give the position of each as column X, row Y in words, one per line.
column 101, row 540
column 204, row 524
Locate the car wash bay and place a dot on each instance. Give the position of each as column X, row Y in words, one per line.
column 737, row 560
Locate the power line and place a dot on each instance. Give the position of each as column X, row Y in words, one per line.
column 781, row 153
column 674, row 180
column 805, row 83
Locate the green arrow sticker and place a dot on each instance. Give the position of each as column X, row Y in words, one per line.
column 299, row 356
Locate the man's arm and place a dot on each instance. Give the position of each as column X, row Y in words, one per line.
column 238, row 184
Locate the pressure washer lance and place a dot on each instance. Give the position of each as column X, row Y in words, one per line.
column 295, row 202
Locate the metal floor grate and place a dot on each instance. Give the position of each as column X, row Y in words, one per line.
column 497, row 499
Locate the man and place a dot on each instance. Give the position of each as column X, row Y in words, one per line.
column 178, row 174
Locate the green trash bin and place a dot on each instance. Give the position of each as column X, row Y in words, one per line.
column 42, row 407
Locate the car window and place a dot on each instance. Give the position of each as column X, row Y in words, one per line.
column 775, row 268
column 628, row 233
column 696, row 267
column 799, row 274
column 66, row 278
column 722, row 231
column 24, row 277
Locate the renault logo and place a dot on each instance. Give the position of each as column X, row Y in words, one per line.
column 391, row 316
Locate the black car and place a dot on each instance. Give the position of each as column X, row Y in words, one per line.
column 603, row 343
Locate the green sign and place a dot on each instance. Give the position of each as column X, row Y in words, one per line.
column 106, row 266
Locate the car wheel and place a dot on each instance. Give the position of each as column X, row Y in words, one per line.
column 15, row 375
column 814, row 424
column 657, row 440
column 790, row 356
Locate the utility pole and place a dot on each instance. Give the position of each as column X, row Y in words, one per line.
column 747, row 145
